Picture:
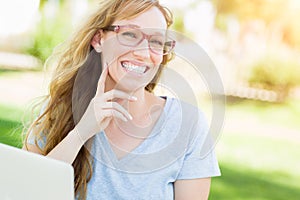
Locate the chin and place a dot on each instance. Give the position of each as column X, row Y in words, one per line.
column 130, row 87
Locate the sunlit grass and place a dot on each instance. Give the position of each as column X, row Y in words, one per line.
column 257, row 160
column 286, row 114
column 262, row 154
column 8, row 72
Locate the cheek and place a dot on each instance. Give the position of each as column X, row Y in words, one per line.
column 157, row 59
column 112, row 50
column 109, row 54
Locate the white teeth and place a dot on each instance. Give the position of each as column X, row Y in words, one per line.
column 134, row 68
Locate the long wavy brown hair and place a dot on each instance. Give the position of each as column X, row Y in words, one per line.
column 57, row 118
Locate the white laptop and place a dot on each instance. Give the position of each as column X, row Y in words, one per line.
column 29, row 176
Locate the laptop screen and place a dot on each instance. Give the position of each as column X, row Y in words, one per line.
column 28, row 176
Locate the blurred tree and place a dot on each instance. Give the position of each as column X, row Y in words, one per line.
column 248, row 10
column 280, row 13
column 53, row 27
column 290, row 23
column 272, row 23
column 42, row 4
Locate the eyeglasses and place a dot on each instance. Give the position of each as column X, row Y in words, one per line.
column 130, row 35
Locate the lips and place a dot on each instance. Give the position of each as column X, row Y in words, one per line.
column 134, row 67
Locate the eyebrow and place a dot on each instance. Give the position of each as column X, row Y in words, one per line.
column 137, row 26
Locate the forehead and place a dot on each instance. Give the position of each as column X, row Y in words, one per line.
column 152, row 19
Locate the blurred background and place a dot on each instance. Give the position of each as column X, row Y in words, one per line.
column 255, row 46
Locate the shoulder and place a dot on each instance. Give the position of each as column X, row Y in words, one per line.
column 189, row 113
column 185, row 121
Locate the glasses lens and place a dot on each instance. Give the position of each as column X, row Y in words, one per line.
column 156, row 43
column 168, row 47
column 129, row 36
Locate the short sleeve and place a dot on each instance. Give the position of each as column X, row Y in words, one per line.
column 199, row 162
column 31, row 140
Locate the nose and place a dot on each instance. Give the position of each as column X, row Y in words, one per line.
column 142, row 50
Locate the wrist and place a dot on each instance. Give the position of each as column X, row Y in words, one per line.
column 77, row 136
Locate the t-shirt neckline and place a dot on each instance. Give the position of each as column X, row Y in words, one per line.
column 156, row 128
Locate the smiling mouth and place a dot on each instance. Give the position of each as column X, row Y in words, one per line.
column 130, row 67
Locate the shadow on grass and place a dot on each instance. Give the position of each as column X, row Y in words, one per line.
column 290, row 103
column 4, row 71
column 10, row 132
column 237, row 184
column 231, row 101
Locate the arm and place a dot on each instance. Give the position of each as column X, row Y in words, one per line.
column 192, row 189
column 97, row 117
column 66, row 150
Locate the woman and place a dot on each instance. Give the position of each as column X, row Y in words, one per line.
column 96, row 122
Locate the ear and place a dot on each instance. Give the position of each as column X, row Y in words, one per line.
column 96, row 41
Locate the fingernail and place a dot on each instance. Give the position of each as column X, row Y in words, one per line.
column 133, row 98
column 130, row 117
column 124, row 119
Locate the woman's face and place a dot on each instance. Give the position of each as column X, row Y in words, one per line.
column 133, row 67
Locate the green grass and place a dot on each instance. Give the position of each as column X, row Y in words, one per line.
column 286, row 114
column 256, row 165
column 5, row 72
column 241, row 183
column 10, row 125
column 14, row 72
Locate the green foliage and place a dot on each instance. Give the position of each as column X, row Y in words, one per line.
column 48, row 34
column 179, row 22
column 275, row 73
column 221, row 22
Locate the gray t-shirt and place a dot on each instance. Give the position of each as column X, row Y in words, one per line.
column 178, row 147
column 174, row 150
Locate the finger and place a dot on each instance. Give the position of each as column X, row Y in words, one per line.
column 113, row 94
column 118, row 107
column 113, row 113
column 101, row 82
column 105, row 122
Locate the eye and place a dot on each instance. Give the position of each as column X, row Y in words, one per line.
column 157, row 42
column 129, row 35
